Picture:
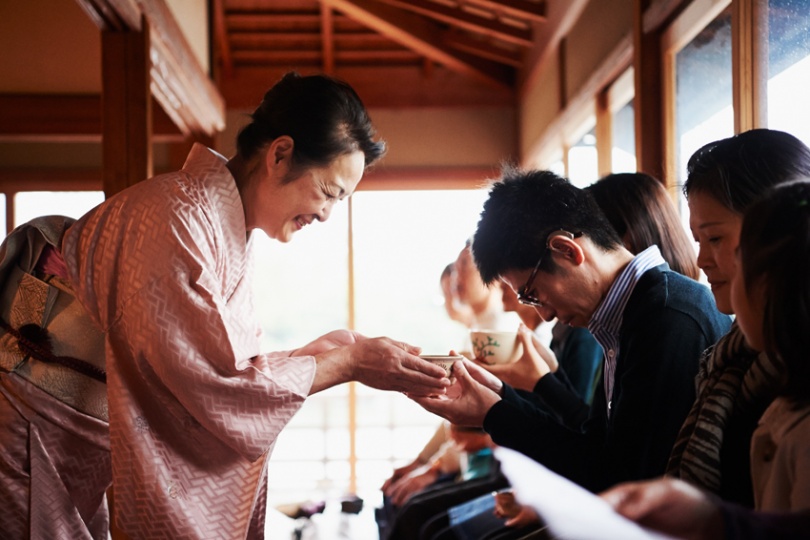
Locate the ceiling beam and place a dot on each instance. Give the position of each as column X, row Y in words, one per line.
column 327, row 40
column 178, row 82
column 522, row 9
column 459, row 18
column 223, row 45
column 66, row 118
column 464, row 42
column 422, row 36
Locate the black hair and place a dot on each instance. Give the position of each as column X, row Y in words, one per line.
column 324, row 117
column 737, row 170
column 523, row 209
column 775, row 253
column 643, row 214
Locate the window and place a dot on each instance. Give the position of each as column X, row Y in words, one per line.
column 788, row 37
column 582, row 161
column 31, row 204
column 623, row 154
column 402, row 240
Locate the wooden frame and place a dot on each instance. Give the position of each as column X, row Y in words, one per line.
column 680, row 33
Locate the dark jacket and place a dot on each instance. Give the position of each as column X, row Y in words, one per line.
column 667, row 323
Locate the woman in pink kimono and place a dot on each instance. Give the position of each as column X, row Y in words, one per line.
column 164, row 269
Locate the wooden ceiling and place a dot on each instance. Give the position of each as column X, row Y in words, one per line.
column 464, row 51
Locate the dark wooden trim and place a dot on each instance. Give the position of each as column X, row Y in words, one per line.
column 178, row 82
column 66, row 118
column 648, row 102
column 126, row 116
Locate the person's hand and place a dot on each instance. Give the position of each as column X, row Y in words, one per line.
column 407, row 486
column 327, row 342
column 536, row 362
column 516, row 514
column 399, row 472
column 670, row 506
column 471, row 402
column 380, row 363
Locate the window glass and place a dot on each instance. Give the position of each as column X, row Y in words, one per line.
column 300, row 293
column 31, row 204
column 623, row 156
column 703, row 94
column 402, row 242
column 788, row 36
column 583, row 166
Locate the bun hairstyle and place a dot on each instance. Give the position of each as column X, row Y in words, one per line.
column 324, row 117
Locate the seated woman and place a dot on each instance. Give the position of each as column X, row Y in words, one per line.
column 735, row 383
column 770, row 293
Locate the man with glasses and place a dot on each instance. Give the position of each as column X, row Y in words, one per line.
column 550, row 242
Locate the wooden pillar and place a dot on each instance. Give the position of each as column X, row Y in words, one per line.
column 126, row 108
column 648, row 102
column 604, row 133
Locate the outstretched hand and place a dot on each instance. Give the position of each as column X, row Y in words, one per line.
column 380, row 363
column 471, row 399
column 327, row 342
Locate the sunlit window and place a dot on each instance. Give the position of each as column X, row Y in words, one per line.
column 402, row 242
column 31, row 204
column 788, row 38
column 623, row 153
column 583, row 165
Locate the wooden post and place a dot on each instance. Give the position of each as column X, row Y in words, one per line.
column 126, row 108
column 648, row 97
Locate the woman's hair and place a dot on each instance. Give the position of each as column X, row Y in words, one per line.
column 738, row 170
column 639, row 208
column 775, row 255
column 324, row 117
column 523, row 208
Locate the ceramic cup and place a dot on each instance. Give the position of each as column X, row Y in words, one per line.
column 495, row 347
column 442, row 360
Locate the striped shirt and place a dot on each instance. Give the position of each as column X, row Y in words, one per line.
column 606, row 321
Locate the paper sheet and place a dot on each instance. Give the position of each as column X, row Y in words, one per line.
column 570, row 511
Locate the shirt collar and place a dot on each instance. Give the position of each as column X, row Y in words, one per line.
column 608, row 316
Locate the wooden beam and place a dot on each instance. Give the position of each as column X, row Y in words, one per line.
column 648, row 104
column 604, row 134
column 749, row 65
column 464, row 42
column 66, row 118
column 561, row 18
column 460, row 18
column 383, row 178
column 222, row 44
column 522, row 9
column 379, row 86
column 126, row 117
column 422, row 36
column 327, row 39
column 178, row 82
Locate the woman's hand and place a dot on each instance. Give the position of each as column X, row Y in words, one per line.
column 411, row 484
column 670, row 506
column 327, row 342
column 380, row 363
column 536, row 362
column 471, row 402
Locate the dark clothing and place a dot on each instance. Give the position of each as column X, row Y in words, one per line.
column 667, row 323
column 744, row 524
column 580, row 358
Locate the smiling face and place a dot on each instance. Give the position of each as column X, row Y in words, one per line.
column 717, row 231
column 281, row 208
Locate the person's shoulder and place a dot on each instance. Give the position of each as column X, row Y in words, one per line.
column 661, row 293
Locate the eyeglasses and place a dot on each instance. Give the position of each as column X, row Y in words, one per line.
column 525, row 295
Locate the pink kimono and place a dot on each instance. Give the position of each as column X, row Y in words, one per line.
column 164, row 268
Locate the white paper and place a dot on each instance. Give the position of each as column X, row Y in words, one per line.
column 570, row 511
